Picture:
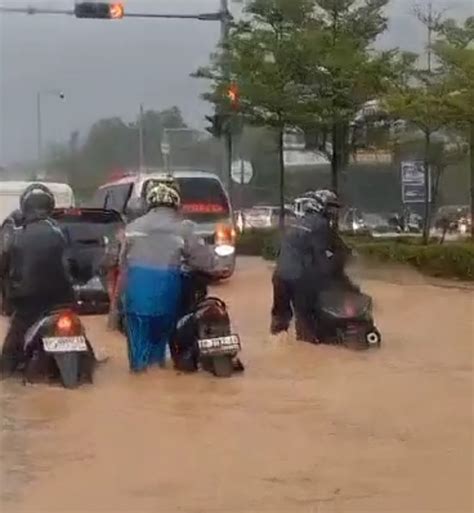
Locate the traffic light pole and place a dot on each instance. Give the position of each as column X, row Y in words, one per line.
column 211, row 16
column 227, row 146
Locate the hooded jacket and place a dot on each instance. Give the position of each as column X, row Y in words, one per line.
column 33, row 260
column 305, row 249
column 158, row 246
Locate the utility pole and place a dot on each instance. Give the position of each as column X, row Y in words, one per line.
column 141, row 149
column 39, row 134
column 39, row 121
column 471, row 152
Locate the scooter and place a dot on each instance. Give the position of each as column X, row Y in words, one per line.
column 204, row 337
column 345, row 317
column 56, row 349
column 344, row 314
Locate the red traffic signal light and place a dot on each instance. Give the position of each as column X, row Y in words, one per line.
column 233, row 95
column 99, row 10
column 117, row 11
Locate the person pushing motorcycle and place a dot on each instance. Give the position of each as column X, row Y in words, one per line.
column 305, row 265
column 157, row 245
column 34, row 263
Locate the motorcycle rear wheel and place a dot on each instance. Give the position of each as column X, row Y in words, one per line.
column 222, row 366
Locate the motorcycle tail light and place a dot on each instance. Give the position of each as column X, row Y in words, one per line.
column 225, row 234
column 349, row 309
column 66, row 323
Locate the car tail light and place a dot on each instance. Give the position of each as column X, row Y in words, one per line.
column 225, row 234
column 66, row 323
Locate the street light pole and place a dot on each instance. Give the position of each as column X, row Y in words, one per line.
column 39, row 135
column 39, row 121
column 141, row 150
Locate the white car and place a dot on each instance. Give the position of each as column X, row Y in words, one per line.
column 11, row 191
column 203, row 201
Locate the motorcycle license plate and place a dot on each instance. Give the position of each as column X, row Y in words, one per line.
column 220, row 345
column 64, row 344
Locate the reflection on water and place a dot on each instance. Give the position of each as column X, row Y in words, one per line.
column 28, row 415
column 16, row 468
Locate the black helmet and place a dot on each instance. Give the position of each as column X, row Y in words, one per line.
column 322, row 201
column 37, row 200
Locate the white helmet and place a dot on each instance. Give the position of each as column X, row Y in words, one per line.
column 163, row 193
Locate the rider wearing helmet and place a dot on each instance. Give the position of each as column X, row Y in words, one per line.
column 304, row 265
column 34, row 264
column 157, row 245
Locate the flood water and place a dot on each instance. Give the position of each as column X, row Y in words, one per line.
column 306, row 429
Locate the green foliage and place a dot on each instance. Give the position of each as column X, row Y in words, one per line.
column 111, row 144
column 258, row 243
column 447, row 260
column 455, row 52
column 452, row 260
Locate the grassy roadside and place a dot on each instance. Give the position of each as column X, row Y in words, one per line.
column 454, row 260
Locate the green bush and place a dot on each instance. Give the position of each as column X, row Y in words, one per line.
column 453, row 260
column 449, row 260
column 253, row 242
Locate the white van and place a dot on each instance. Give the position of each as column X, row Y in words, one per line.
column 203, row 201
column 10, row 193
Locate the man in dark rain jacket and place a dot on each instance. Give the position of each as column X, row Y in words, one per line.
column 305, row 266
column 33, row 262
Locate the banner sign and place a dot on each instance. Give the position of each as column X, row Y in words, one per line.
column 412, row 178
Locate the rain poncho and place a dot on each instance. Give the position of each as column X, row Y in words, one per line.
column 157, row 247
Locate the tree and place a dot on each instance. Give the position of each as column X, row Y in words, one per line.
column 419, row 97
column 111, row 144
column 263, row 58
column 342, row 71
column 455, row 52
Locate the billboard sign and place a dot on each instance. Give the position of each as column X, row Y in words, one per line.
column 412, row 177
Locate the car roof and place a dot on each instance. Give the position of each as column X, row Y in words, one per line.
column 20, row 186
column 178, row 173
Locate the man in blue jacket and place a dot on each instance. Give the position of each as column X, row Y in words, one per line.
column 157, row 246
column 305, row 266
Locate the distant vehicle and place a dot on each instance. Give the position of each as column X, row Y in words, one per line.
column 203, row 201
column 352, row 221
column 453, row 218
column 10, row 193
column 378, row 223
column 264, row 217
column 88, row 231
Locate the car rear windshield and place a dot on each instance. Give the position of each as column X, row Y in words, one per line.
column 203, row 199
column 88, row 226
column 260, row 212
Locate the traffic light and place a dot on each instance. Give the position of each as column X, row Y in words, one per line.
column 99, row 10
column 233, row 96
column 216, row 127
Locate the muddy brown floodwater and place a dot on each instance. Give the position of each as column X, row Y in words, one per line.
column 306, row 429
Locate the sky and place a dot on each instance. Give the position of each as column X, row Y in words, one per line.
column 107, row 68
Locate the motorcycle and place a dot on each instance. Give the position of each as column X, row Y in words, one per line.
column 203, row 337
column 56, row 349
column 344, row 314
column 345, row 317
